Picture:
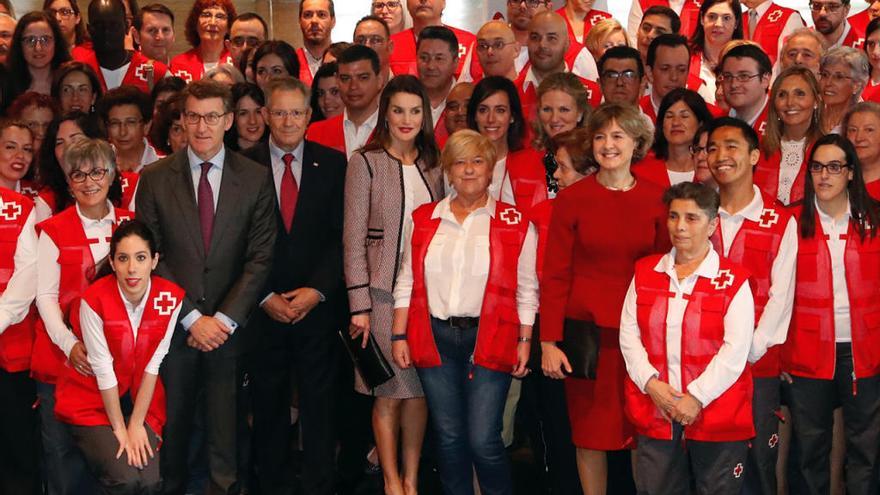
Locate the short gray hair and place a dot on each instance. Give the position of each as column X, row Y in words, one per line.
column 87, row 151
column 226, row 69
column 857, row 60
column 286, row 83
column 801, row 32
column 861, row 107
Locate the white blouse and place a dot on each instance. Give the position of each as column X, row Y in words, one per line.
column 16, row 300
column 789, row 166
column 415, row 194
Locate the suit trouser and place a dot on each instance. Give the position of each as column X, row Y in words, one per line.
column 312, row 355
column 184, row 371
column 99, row 446
column 812, row 412
column 19, row 454
column 760, row 477
column 663, row 467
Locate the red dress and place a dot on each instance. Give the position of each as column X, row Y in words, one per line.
column 587, row 269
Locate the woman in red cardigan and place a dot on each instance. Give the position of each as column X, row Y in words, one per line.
column 599, row 228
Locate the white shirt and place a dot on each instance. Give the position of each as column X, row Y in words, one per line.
column 789, row 165
column 148, row 157
column 114, row 77
column 835, row 229
column 356, row 137
column 500, row 188
column 100, row 358
column 437, row 112
column 772, row 328
column 457, row 266
column 679, row 177
column 415, row 194
column 15, row 302
column 707, row 89
column 314, row 63
column 724, row 368
column 276, row 154
column 839, row 42
column 49, row 275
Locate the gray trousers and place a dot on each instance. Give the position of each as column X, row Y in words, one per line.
column 115, row 476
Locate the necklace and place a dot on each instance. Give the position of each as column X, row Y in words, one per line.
column 619, row 189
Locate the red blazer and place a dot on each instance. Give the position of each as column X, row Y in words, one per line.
column 136, row 75
column 78, row 400
column 810, row 349
column 592, row 18
column 729, row 417
column 16, row 343
column 768, row 33
column 403, row 58
column 499, row 321
column 190, row 67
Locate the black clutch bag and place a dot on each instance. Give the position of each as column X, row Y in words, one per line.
column 580, row 343
column 369, row 361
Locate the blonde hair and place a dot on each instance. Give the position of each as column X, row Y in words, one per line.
column 775, row 127
column 569, row 84
column 601, row 31
column 466, row 143
column 630, row 119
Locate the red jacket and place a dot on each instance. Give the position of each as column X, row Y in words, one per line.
column 77, row 398
column 690, row 14
column 766, row 177
column 755, row 247
column 136, row 75
column 403, row 58
column 499, row 321
column 77, row 270
column 592, row 18
column 329, row 132
column 17, row 341
column 653, row 170
column 810, row 348
column 768, row 33
column 190, row 67
column 525, row 168
column 727, row 418
column 540, row 217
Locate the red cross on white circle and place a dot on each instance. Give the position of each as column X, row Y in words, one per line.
column 738, row 470
column 165, row 303
column 774, row 16
column 723, row 280
column 769, row 217
column 11, row 210
column 774, row 439
column 510, row 216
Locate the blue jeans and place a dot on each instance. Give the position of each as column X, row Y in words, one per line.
column 63, row 463
column 466, row 413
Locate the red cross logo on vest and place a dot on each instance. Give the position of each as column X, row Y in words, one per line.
column 859, row 43
column 28, row 191
column 124, row 183
column 462, row 50
column 762, row 128
column 186, row 76
column 139, row 72
column 774, row 16
column 723, row 280
column 123, row 218
column 510, row 216
column 738, row 470
column 10, row 210
column 774, row 439
column 165, row 303
column 589, row 93
column 596, row 19
column 769, row 217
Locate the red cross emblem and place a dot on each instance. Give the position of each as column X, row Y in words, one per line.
column 123, row 218
column 124, row 183
column 596, row 19
column 589, row 93
column 723, row 280
column 510, row 216
column 738, row 470
column 762, row 128
column 462, row 50
column 28, row 191
column 774, row 16
column 774, row 439
column 141, row 71
column 859, row 43
column 186, row 76
column 769, row 217
column 11, row 210
column 165, row 303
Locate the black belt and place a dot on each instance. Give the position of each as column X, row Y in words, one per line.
column 461, row 321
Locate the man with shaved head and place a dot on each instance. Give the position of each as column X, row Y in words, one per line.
column 497, row 50
column 455, row 116
column 424, row 13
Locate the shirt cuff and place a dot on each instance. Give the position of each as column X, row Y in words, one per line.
column 229, row 322
column 268, row 296
column 190, row 318
column 321, row 295
column 106, row 381
column 526, row 317
column 698, row 394
column 758, row 348
column 645, row 376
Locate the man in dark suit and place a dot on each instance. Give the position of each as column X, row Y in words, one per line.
column 213, row 215
column 305, row 302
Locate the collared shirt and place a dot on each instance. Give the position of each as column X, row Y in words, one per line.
column 276, row 154
column 148, row 157
column 356, row 137
column 215, row 173
column 16, row 300
column 846, row 29
column 724, row 368
column 437, row 112
column 98, row 233
column 636, row 14
column 314, row 62
column 457, row 266
column 772, row 328
column 501, row 188
column 836, row 231
column 100, row 358
column 750, row 119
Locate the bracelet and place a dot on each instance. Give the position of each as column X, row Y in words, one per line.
column 398, row 336
column 523, row 340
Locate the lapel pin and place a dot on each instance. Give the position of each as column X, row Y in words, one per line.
column 314, row 164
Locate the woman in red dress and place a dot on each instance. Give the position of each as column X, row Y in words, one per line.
column 600, row 226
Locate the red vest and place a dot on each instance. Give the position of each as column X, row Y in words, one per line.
column 403, row 58
column 190, row 67
column 77, row 398
column 525, row 168
column 653, row 170
column 854, row 38
column 592, row 18
column 859, row 22
column 499, row 322
column 873, row 188
column 690, row 14
column 755, row 247
column 768, row 32
column 529, row 95
column 540, row 217
column 440, row 132
column 729, row 417
column 17, row 341
column 766, row 177
column 305, row 74
column 77, row 270
column 331, row 133
column 129, row 182
column 810, row 348
column 136, row 75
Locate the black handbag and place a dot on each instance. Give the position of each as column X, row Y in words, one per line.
column 369, row 361
column 580, row 343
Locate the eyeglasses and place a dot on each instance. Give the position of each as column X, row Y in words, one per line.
column 64, row 12
column 207, row 16
column 33, row 41
column 532, row 4
column 837, row 77
column 626, row 76
column 240, row 41
column 386, row 5
column 375, row 40
column 831, row 8
column 96, row 174
column 741, row 77
column 833, row 168
column 483, row 46
column 696, row 150
column 193, row 118
column 283, row 114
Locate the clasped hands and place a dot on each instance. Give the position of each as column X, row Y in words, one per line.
column 292, row 306
column 675, row 406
